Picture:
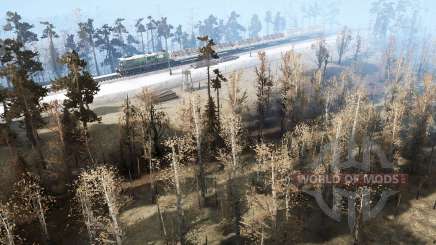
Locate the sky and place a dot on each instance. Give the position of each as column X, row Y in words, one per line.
column 65, row 13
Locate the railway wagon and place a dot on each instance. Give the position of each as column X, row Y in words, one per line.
column 142, row 63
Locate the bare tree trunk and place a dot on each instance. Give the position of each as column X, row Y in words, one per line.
column 394, row 130
column 142, row 42
column 287, row 200
column 8, row 229
column 261, row 235
column 112, row 212
column 233, row 141
column 326, row 116
column 94, row 56
column 169, row 58
column 87, row 214
column 353, row 131
column 178, row 195
column 273, row 192
column 208, row 77
column 41, row 217
column 197, row 122
column 161, row 220
column 430, row 163
column 88, row 149
column 336, row 197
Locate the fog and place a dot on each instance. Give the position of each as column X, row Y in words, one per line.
column 402, row 18
column 65, row 14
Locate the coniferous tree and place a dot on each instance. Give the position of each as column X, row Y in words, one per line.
column 127, row 137
column 233, row 28
column 268, row 21
column 19, row 66
column 80, row 91
column 119, row 29
column 20, row 28
column 164, row 31
column 87, row 35
column 140, row 28
column 50, row 33
column 109, row 45
column 130, row 47
column 211, row 27
column 70, row 43
column 264, row 85
column 151, row 27
column 179, row 36
column 216, row 84
column 207, row 53
column 279, row 23
column 153, row 122
column 255, row 26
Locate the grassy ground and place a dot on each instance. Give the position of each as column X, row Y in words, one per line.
column 414, row 222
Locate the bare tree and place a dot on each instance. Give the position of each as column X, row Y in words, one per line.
column 178, row 153
column 30, row 202
column 7, row 225
column 289, row 83
column 99, row 194
column 322, row 56
column 343, row 42
column 357, row 48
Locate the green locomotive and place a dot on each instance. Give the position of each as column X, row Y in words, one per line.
column 142, row 63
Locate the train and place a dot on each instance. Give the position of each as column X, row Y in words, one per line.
column 148, row 62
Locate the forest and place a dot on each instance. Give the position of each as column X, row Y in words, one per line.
column 222, row 161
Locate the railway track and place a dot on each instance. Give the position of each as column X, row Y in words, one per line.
column 224, row 55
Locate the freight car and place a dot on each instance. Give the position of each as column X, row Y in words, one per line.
column 144, row 63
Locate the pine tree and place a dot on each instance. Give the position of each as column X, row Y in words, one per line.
column 19, row 66
column 211, row 127
column 233, row 28
column 216, row 84
column 255, row 26
column 88, row 34
column 110, row 46
column 264, row 86
column 140, row 28
column 164, row 31
column 50, row 33
column 151, row 27
column 268, row 20
column 207, row 53
column 70, row 43
column 80, row 91
column 279, row 23
column 127, row 138
column 20, row 28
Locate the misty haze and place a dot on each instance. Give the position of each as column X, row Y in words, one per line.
column 217, row 122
